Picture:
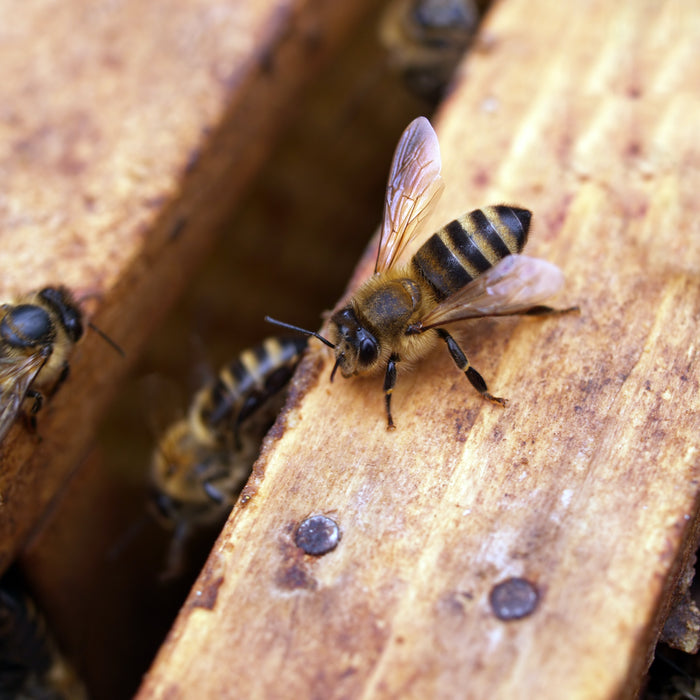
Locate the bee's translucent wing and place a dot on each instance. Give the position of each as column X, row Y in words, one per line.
column 414, row 184
column 15, row 380
column 515, row 284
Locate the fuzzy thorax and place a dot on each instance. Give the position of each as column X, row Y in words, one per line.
column 377, row 319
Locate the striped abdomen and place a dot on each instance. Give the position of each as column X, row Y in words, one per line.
column 470, row 245
column 250, row 380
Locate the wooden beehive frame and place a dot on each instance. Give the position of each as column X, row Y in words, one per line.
column 585, row 487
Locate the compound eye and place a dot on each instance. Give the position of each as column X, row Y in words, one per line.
column 368, row 351
column 73, row 324
column 26, row 326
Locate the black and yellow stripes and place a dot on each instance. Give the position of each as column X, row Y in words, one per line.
column 466, row 247
column 247, row 382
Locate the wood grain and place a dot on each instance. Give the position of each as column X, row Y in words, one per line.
column 586, row 486
column 127, row 135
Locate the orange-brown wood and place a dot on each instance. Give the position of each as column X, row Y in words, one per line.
column 585, row 486
column 128, row 134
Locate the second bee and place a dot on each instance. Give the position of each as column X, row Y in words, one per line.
column 202, row 461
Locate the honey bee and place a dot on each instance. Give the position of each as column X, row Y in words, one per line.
column 470, row 268
column 31, row 666
column 203, row 460
column 37, row 335
column 425, row 40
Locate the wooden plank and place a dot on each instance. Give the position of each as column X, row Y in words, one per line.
column 128, row 135
column 585, row 487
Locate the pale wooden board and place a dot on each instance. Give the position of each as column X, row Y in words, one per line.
column 127, row 134
column 586, row 485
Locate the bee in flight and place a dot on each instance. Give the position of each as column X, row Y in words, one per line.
column 37, row 335
column 470, row 268
column 203, row 460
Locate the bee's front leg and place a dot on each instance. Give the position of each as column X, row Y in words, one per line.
column 389, row 383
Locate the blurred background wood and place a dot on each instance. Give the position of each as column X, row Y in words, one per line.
column 585, row 488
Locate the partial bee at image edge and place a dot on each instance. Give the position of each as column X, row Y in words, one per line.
column 37, row 336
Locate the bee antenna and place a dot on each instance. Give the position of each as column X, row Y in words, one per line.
column 105, row 337
column 290, row 327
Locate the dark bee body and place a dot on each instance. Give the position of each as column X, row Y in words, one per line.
column 470, row 268
column 30, row 664
column 37, row 335
column 203, row 460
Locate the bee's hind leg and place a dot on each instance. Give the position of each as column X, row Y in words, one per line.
column 65, row 372
column 546, row 311
column 460, row 359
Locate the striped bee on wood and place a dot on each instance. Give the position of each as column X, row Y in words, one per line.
column 37, row 335
column 470, row 268
column 202, row 461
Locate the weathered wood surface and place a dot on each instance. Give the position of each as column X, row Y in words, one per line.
column 128, row 133
column 585, row 486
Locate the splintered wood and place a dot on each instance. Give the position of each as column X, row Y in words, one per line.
column 580, row 497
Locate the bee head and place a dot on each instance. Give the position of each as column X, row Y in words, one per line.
column 356, row 349
column 60, row 301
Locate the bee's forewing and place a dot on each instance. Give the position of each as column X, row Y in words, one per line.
column 414, row 184
column 15, row 380
column 515, row 284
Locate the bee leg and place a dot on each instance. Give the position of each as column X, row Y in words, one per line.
column 548, row 311
column 175, row 561
column 477, row 381
column 38, row 401
column 65, row 371
column 213, row 492
column 389, row 383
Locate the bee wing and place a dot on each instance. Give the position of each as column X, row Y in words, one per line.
column 515, row 284
column 414, row 184
column 15, row 380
